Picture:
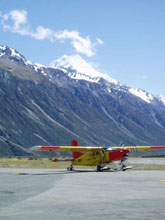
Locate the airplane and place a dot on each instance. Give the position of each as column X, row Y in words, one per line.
column 95, row 156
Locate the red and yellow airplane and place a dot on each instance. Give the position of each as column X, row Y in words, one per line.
column 95, row 156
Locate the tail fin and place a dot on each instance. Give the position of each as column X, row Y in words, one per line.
column 74, row 143
column 76, row 154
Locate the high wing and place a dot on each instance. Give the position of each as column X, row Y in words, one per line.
column 142, row 148
column 92, row 149
column 65, row 149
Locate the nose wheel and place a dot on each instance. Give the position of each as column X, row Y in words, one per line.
column 124, row 167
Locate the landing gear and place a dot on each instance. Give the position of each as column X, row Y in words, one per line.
column 124, row 167
column 101, row 168
column 70, row 168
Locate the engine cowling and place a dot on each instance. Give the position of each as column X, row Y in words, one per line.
column 118, row 154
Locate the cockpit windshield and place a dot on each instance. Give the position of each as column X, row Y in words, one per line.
column 107, row 148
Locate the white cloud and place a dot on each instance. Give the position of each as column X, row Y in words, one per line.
column 16, row 21
column 42, row 33
column 19, row 19
column 99, row 41
column 80, row 44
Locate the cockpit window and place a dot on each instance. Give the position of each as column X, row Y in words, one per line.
column 107, row 148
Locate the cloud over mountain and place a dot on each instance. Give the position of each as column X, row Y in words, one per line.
column 16, row 21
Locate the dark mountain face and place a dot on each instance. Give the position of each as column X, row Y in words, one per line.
column 45, row 106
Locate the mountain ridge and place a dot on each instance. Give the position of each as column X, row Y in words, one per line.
column 67, row 64
column 47, row 105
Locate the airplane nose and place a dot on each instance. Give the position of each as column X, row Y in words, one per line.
column 127, row 151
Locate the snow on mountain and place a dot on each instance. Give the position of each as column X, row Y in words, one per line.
column 80, row 69
column 77, row 68
column 36, row 66
column 2, row 53
column 142, row 94
column 147, row 97
column 162, row 99
column 12, row 53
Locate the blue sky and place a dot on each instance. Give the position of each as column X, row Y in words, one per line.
column 124, row 38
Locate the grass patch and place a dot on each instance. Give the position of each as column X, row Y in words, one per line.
column 45, row 162
column 31, row 163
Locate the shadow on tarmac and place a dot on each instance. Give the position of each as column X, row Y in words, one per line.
column 53, row 172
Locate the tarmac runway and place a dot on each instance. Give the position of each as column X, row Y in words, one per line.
column 37, row 194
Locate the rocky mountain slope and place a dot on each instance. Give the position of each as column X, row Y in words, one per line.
column 70, row 100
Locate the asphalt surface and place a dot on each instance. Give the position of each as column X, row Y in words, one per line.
column 147, row 161
column 59, row 195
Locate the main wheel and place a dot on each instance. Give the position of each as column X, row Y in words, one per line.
column 70, row 168
column 99, row 168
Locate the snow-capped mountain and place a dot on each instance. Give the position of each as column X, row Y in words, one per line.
column 80, row 69
column 14, row 55
column 11, row 53
column 161, row 98
column 70, row 99
column 142, row 94
column 77, row 68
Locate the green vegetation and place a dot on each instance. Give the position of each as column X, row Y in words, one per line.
column 21, row 162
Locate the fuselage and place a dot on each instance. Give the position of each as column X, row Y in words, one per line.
column 100, row 157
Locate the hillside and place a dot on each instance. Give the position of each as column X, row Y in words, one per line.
column 53, row 105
